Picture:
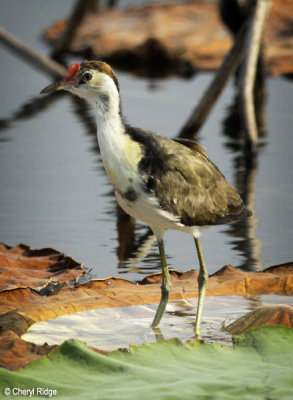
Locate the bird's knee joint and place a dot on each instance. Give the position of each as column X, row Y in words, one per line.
column 202, row 277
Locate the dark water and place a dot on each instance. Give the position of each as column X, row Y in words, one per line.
column 53, row 189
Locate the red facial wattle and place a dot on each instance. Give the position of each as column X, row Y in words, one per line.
column 69, row 80
column 72, row 71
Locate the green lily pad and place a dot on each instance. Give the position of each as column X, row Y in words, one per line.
column 259, row 367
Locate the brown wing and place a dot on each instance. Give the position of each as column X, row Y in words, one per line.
column 186, row 183
column 190, row 186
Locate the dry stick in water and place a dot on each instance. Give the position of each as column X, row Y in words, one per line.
column 209, row 98
column 44, row 63
column 78, row 13
column 248, row 71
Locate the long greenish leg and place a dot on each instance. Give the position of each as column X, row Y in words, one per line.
column 165, row 287
column 202, row 286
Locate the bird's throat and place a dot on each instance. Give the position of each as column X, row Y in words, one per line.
column 120, row 154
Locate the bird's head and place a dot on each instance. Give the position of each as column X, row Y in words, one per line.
column 92, row 80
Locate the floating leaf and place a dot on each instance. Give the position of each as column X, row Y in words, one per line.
column 260, row 367
column 115, row 292
column 281, row 314
column 22, row 267
column 22, row 306
column 188, row 32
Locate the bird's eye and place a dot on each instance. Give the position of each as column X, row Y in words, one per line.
column 87, row 77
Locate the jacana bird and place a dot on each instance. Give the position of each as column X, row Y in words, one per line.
column 166, row 183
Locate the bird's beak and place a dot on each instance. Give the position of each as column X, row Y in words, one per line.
column 54, row 87
column 66, row 83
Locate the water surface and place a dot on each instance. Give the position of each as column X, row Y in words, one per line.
column 54, row 192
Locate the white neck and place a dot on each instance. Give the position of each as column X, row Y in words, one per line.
column 119, row 153
column 110, row 128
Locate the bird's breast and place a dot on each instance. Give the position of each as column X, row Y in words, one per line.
column 121, row 157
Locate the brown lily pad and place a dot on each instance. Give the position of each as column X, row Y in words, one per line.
column 24, row 270
column 281, row 314
column 17, row 353
column 168, row 37
column 114, row 292
column 22, row 266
